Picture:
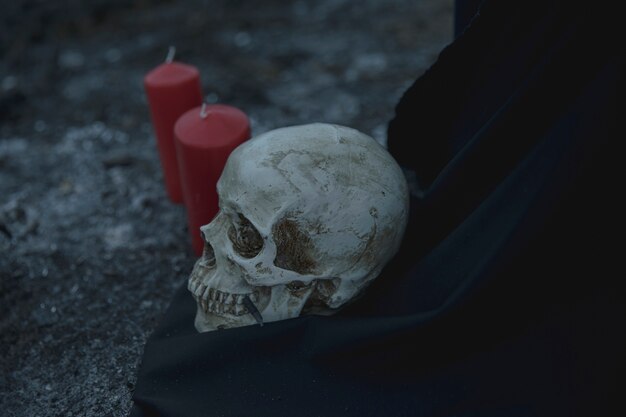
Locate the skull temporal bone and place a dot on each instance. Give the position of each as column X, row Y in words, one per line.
column 309, row 215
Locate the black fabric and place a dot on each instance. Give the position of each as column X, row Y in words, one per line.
column 505, row 298
column 464, row 12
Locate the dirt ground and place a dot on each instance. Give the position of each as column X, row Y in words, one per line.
column 91, row 249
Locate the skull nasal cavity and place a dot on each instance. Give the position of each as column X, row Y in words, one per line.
column 293, row 247
column 247, row 241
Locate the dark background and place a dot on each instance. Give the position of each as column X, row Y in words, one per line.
column 91, row 249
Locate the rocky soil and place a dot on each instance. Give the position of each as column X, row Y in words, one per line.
column 91, row 249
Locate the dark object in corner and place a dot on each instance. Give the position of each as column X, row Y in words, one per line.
column 505, row 299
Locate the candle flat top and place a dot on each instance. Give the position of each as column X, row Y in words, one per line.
column 171, row 73
column 223, row 126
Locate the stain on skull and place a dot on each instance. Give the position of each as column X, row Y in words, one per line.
column 293, row 247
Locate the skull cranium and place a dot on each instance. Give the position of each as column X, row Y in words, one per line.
column 309, row 215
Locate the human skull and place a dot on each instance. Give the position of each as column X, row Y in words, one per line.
column 309, row 215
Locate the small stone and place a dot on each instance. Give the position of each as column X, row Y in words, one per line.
column 242, row 39
column 113, row 55
column 212, row 98
column 9, row 83
column 66, row 187
column 118, row 236
column 71, row 59
column 40, row 126
column 44, row 316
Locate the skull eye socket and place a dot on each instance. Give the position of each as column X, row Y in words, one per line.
column 246, row 240
column 293, row 247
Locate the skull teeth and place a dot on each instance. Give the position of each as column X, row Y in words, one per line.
column 200, row 289
column 205, row 293
column 220, row 302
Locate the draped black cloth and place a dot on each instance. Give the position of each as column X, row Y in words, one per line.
column 464, row 12
column 504, row 299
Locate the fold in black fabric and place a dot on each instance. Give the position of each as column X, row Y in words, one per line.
column 505, row 298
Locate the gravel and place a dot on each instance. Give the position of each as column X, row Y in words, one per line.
column 91, row 249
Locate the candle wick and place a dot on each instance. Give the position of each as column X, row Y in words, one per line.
column 204, row 111
column 170, row 54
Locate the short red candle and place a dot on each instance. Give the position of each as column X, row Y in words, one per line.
column 205, row 136
column 172, row 88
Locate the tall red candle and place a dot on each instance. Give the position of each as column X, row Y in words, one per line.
column 172, row 88
column 205, row 136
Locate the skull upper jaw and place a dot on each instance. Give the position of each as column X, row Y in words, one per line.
column 274, row 304
column 206, row 322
